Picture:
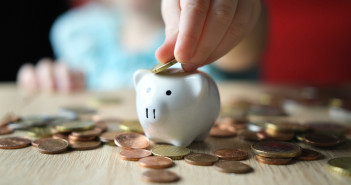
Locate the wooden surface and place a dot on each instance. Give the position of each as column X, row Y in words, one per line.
column 103, row 165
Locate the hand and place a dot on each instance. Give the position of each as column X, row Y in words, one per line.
column 49, row 76
column 199, row 32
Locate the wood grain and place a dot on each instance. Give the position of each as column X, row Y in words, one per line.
column 103, row 165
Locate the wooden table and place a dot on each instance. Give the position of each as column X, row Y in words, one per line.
column 103, row 165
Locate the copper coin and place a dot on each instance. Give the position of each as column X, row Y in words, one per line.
column 60, row 136
column 156, row 162
column 14, row 142
column 134, row 154
column 160, row 176
column 84, row 145
column 53, row 146
column 276, row 149
column 321, row 140
column 101, row 125
column 248, row 136
column 232, row 167
column 274, row 161
column 109, row 136
column 200, row 159
column 88, row 133
column 77, row 138
column 5, row 130
column 231, row 154
column 308, row 155
column 131, row 140
column 218, row 132
column 36, row 142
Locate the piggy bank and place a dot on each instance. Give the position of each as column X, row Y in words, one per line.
column 176, row 107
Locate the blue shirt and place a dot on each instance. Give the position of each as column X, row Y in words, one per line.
column 88, row 39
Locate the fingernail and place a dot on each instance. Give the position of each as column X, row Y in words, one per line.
column 189, row 67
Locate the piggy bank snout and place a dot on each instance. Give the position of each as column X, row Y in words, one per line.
column 153, row 111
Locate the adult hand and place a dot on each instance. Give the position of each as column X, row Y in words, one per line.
column 199, row 32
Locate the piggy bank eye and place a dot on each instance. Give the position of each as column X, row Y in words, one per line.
column 148, row 90
column 168, row 92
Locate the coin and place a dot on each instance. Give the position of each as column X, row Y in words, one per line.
column 36, row 142
column 340, row 165
column 327, row 127
column 276, row 149
column 134, row 154
column 160, row 176
column 155, row 162
column 273, row 161
column 321, row 140
column 287, row 126
column 131, row 126
column 232, row 167
column 248, row 135
column 275, row 135
column 60, row 136
column 39, row 131
column 101, row 125
column 14, row 142
column 161, row 67
column 200, row 159
column 308, row 155
column 109, row 136
column 88, row 133
column 79, row 109
column 76, row 138
column 218, row 132
column 231, row 154
column 131, row 140
column 53, row 146
column 5, row 130
column 84, row 145
column 75, row 126
column 173, row 152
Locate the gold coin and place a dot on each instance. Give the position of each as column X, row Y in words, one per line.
column 340, row 165
column 40, row 131
column 161, row 67
column 75, row 126
column 131, row 126
column 200, row 159
column 287, row 126
column 276, row 149
column 173, row 152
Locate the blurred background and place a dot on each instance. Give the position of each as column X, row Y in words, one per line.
column 309, row 41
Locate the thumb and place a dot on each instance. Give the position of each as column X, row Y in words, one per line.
column 170, row 14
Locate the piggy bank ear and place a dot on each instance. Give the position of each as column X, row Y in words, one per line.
column 138, row 75
column 199, row 84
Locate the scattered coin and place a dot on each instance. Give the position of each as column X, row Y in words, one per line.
column 44, row 131
column 5, row 130
column 88, row 133
column 53, row 146
column 14, row 142
column 231, row 154
column 218, row 132
column 173, row 152
column 275, row 135
column 101, row 125
column 156, row 162
column 308, row 155
column 277, row 149
column 36, row 142
column 60, row 136
column 84, row 145
column 79, row 109
column 131, row 126
column 161, row 67
column 131, row 140
column 232, row 167
column 249, row 136
column 321, row 140
column 287, row 126
column 200, row 159
column 76, row 138
column 273, row 161
column 75, row 126
column 109, row 136
column 134, row 154
column 160, row 176
column 340, row 165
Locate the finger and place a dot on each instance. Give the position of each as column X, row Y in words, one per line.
column 78, row 80
column 170, row 14
column 63, row 78
column 27, row 79
column 45, row 74
column 219, row 18
column 236, row 30
column 192, row 19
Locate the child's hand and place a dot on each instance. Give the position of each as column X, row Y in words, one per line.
column 49, row 76
column 198, row 32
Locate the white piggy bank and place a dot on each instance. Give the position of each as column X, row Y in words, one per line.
column 176, row 107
